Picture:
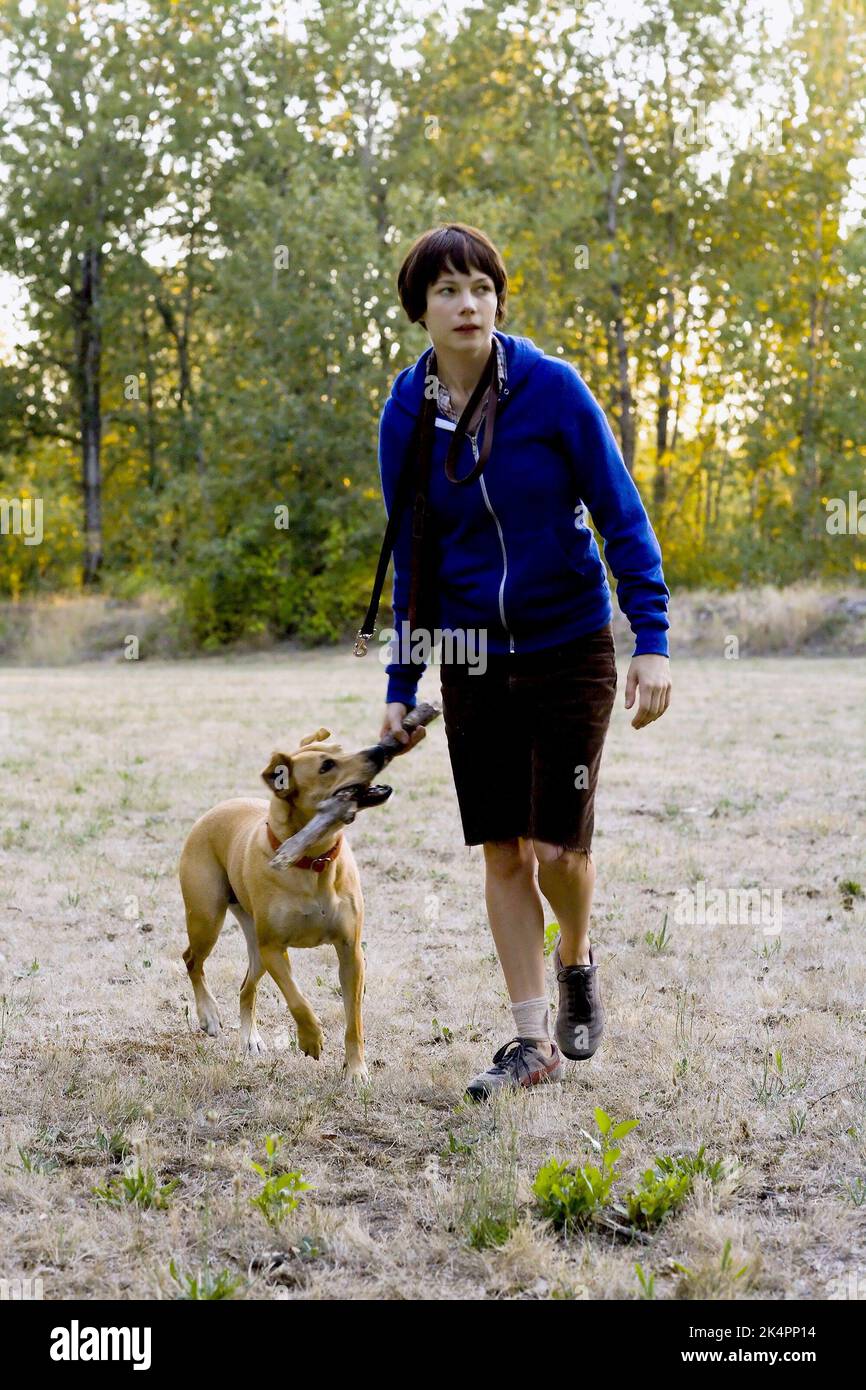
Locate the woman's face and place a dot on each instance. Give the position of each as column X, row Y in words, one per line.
column 455, row 299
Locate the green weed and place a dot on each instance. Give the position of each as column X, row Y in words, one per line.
column 205, row 1283
column 279, row 1191
column 139, row 1187
column 570, row 1196
column 660, row 941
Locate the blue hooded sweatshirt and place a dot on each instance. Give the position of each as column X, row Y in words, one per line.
column 512, row 551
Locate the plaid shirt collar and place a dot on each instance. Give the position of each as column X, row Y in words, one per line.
column 444, row 399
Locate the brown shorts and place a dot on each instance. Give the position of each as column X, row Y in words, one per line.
column 525, row 740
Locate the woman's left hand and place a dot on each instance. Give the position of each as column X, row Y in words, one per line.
column 649, row 674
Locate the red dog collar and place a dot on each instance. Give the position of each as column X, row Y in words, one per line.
column 306, row 862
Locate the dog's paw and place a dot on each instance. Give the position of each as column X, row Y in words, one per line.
column 253, row 1045
column 311, row 1042
column 210, row 1022
column 356, row 1076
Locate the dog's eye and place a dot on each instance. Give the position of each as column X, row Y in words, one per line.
column 327, row 765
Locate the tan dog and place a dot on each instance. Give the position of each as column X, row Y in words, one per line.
column 225, row 863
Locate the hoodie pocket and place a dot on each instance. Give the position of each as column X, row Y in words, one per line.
column 541, row 573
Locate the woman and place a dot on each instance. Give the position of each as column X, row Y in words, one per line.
column 510, row 563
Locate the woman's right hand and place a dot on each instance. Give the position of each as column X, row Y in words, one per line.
column 393, row 724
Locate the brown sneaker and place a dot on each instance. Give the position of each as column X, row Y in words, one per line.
column 580, row 1016
column 518, row 1063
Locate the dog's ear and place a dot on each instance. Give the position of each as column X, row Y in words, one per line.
column 278, row 776
column 318, row 737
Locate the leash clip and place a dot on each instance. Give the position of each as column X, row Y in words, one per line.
column 360, row 647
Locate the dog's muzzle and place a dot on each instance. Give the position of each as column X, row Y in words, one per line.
column 364, row 795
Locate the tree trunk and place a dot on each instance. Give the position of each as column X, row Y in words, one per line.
column 626, row 406
column 88, row 364
column 662, row 470
column 809, row 466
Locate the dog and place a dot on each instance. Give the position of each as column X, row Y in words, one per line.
column 225, row 863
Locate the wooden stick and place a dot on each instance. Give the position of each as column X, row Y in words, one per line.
column 343, row 806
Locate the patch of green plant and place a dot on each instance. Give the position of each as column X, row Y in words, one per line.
column 456, row 1146
column 490, row 1231
column 850, row 889
column 551, row 935
column 26, row 972
column 34, row 1162
column 138, row 1186
column 659, row 941
column 773, row 1083
column 768, row 949
column 205, row 1282
column 489, row 1210
column 308, row 1248
column 692, row 1165
column 718, row 1279
column 115, row 1146
column 441, row 1032
column 568, row 1195
column 279, row 1194
column 659, row 1193
column 648, row 1285
column 857, row 1192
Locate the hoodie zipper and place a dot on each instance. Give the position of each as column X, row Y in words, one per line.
column 473, row 440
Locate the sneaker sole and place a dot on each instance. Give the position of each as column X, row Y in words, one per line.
column 577, row 1056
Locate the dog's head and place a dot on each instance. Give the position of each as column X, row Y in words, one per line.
column 317, row 769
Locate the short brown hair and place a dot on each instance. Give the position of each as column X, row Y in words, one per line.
column 462, row 246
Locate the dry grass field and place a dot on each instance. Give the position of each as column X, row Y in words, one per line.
column 745, row 1037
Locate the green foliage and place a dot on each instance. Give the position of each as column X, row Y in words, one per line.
column 774, row 1082
column 33, row 1162
column 245, row 369
column 569, row 1195
column 205, row 1283
column 658, row 1195
column 856, row 1191
column 693, row 1283
column 666, row 1185
column 659, row 941
column 279, row 1191
column 441, row 1032
column 114, row 1146
column 551, row 936
column 487, row 1188
column 137, row 1187
column 235, row 587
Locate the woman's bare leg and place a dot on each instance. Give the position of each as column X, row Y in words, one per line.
column 516, row 915
column 567, row 879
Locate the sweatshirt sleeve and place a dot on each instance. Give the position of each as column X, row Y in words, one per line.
column 403, row 677
column 608, row 489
